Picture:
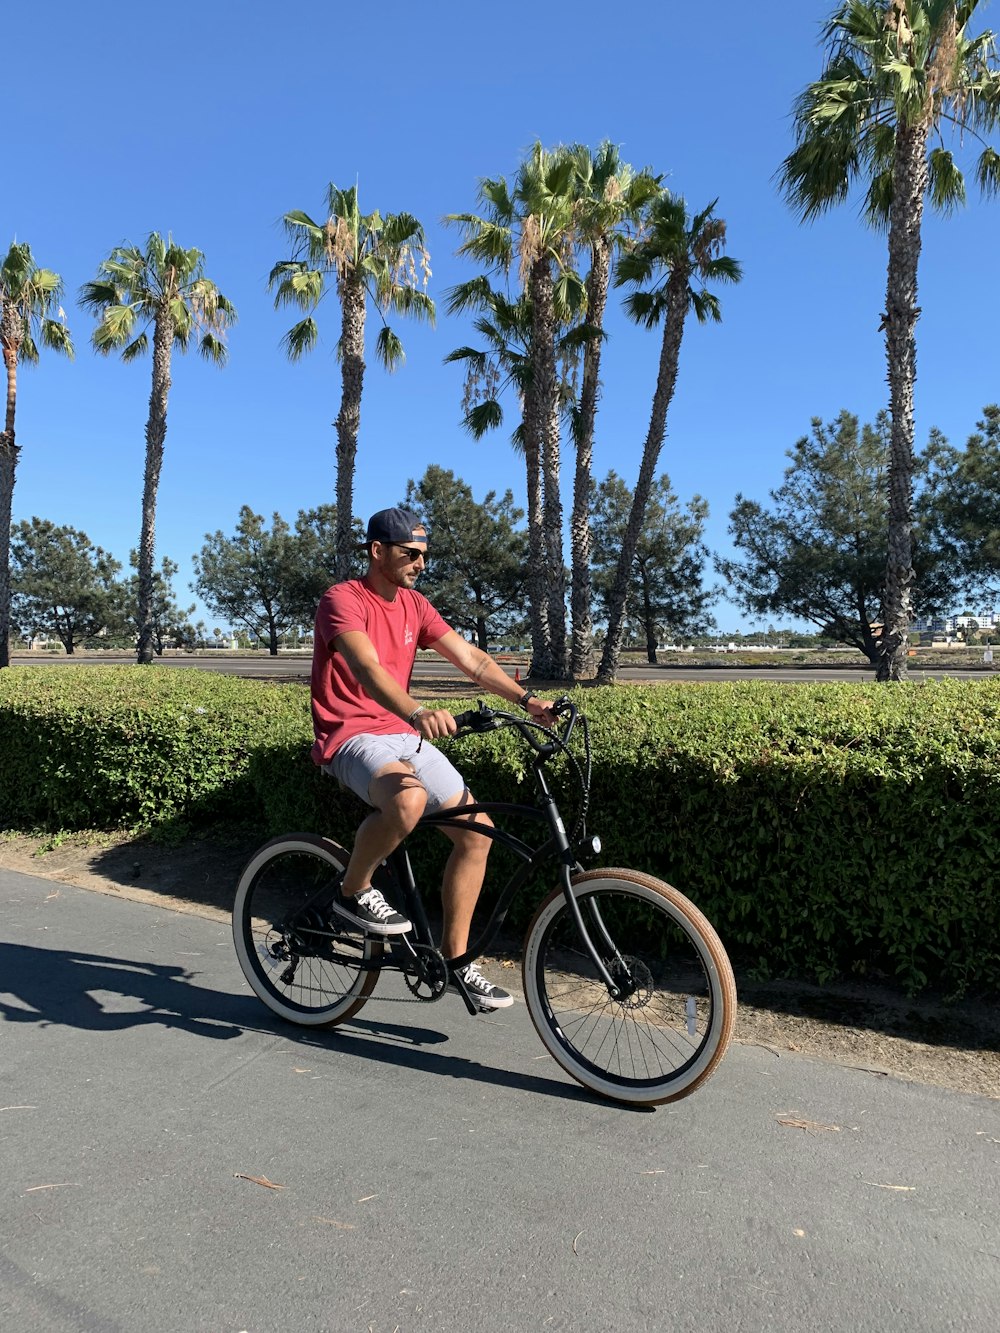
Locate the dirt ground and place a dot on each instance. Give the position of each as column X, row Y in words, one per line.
column 871, row 1028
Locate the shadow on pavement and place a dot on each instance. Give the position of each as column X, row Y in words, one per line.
column 96, row 993
column 58, row 987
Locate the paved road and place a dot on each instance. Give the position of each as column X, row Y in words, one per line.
column 259, row 665
column 438, row 1172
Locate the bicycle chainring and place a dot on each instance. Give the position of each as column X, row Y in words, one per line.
column 426, row 973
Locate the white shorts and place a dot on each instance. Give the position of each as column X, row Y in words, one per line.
column 360, row 758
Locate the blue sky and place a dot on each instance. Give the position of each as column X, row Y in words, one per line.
column 210, row 120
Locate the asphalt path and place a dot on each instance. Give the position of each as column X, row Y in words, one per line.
column 438, row 1172
column 259, row 666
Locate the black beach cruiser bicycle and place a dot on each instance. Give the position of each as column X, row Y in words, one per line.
column 625, row 980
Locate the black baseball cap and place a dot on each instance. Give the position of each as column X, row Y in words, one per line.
column 394, row 525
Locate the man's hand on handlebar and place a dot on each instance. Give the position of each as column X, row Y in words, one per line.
column 541, row 710
column 434, row 722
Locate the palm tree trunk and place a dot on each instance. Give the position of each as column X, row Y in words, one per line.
column 909, row 184
column 546, row 401
column 8, row 466
column 352, row 352
column 648, row 622
column 666, row 382
column 535, row 580
column 581, row 598
column 156, row 434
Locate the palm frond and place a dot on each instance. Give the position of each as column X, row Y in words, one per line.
column 115, row 328
column 213, row 349
column 29, row 348
column 706, row 307
column 136, row 348
column 485, row 416
column 389, row 349
column 878, row 200
column 496, row 193
column 724, row 268
column 55, row 334
column 646, row 308
column 581, row 335
column 988, row 172
column 405, row 301
column 295, row 284
column 300, row 338
column 472, row 295
column 569, row 295
column 634, row 265
column 946, row 183
column 487, row 242
column 401, row 229
column 473, row 356
column 180, row 314
column 95, row 296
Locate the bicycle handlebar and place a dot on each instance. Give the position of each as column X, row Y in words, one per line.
column 483, row 718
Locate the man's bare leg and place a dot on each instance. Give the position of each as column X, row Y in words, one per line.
column 399, row 800
column 463, row 879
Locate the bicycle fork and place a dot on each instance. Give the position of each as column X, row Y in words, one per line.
column 618, row 990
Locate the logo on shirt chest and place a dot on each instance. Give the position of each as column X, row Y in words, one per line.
column 407, row 635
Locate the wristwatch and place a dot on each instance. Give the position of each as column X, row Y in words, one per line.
column 528, row 694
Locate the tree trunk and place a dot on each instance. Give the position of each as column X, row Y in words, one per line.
column 581, row 598
column 156, row 433
column 666, row 381
column 352, row 353
column 909, row 184
column 648, row 623
column 8, row 467
column 546, row 401
column 535, row 580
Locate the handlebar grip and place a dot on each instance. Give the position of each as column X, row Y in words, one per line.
column 468, row 718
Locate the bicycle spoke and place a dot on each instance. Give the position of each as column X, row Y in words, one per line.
column 657, row 1028
column 299, row 964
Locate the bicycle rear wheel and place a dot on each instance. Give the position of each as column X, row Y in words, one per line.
column 666, row 1035
column 306, row 965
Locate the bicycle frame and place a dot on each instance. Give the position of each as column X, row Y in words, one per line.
column 556, row 847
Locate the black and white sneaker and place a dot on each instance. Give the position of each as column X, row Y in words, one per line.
column 481, row 991
column 372, row 913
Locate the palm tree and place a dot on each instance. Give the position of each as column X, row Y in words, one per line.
column 897, row 73
column 368, row 256
column 505, row 362
column 29, row 296
column 609, row 196
column 163, row 289
column 676, row 257
column 535, row 221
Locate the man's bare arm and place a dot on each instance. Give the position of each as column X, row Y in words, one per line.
column 489, row 675
column 359, row 653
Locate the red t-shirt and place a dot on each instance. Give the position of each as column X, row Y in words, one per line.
column 340, row 707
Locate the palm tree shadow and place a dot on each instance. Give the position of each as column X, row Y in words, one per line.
column 60, row 987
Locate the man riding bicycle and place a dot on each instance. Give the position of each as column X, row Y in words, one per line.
column 370, row 732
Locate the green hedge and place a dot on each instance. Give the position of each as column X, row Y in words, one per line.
column 825, row 829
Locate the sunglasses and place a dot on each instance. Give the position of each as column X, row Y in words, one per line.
column 412, row 552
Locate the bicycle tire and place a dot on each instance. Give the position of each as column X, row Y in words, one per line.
column 667, row 1038
column 274, row 944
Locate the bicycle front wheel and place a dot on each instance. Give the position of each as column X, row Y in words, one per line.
column 671, row 1025
column 307, row 965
